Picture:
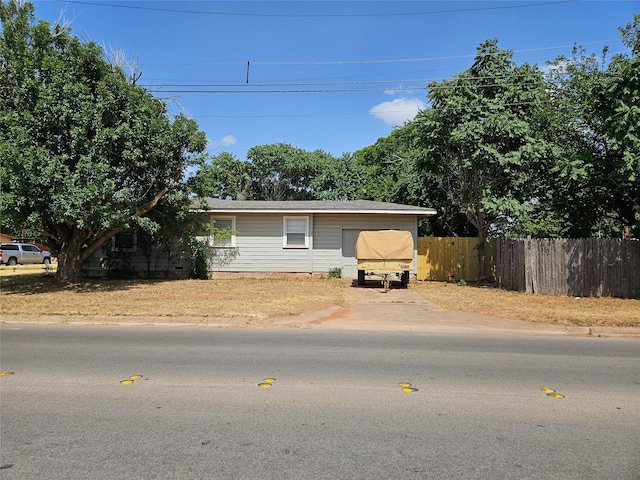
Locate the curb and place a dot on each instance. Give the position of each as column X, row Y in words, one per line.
column 322, row 319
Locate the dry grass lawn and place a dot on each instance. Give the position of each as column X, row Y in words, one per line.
column 29, row 290
column 570, row 311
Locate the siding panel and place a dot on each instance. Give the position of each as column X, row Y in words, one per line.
column 259, row 244
column 260, row 249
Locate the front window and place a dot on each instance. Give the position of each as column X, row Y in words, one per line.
column 296, row 232
column 223, row 229
column 125, row 242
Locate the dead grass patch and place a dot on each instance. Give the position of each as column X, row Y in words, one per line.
column 30, row 291
column 254, row 298
column 571, row 311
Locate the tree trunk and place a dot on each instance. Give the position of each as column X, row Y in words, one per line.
column 70, row 260
column 482, row 271
column 75, row 249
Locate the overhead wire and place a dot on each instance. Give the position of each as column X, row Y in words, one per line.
column 224, row 88
column 363, row 82
column 315, row 15
column 373, row 61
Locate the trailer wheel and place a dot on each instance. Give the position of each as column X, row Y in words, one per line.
column 360, row 277
column 405, row 278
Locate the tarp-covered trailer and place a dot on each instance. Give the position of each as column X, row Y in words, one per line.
column 384, row 253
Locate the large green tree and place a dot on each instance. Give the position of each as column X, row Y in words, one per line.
column 279, row 172
column 484, row 136
column 283, row 172
column 222, row 176
column 575, row 195
column 85, row 153
column 617, row 104
column 392, row 176
column 594, row 187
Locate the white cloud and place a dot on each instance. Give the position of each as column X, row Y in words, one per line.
column 400, row 90
column 397, row 111
column 226, row 141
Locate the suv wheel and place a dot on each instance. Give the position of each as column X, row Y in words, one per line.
column 12, row 261
column 47, row 260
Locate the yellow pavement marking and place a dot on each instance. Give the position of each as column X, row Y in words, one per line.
column 409, row 389
column 265, row 385
column 126, row 382
column 404, row 384
column 135, row 377
column 5, row 374
column 547, row 390
column 269, row 380
column 555, row 395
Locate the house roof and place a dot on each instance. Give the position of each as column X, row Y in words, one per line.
column 216, row 205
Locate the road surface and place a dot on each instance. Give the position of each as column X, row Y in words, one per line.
column 334, row 411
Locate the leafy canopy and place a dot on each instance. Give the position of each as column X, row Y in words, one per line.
column 85, row 153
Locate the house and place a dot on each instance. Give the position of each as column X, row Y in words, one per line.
column 300, row 236
column 6, row 238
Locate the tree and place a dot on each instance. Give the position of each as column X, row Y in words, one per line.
column 224, row 176
column 85, row 153
column 279, row 172
column 575, row 195
column 393, row 176
column 618, row 105
column 595, row 185
column 341, row 178
column 484, row 136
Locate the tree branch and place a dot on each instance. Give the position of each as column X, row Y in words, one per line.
column 154, row 201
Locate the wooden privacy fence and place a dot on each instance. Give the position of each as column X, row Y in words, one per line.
column 450, row 259
column 576, row 267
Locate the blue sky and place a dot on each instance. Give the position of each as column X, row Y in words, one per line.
column 330, row 75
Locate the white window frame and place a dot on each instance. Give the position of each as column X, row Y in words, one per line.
column 232, row 239
column 285, row 232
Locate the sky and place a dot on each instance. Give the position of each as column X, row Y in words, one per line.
column 329, row 75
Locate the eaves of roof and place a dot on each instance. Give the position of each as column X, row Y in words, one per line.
column 214, row 205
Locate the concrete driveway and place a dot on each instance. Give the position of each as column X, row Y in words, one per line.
column 401, row 309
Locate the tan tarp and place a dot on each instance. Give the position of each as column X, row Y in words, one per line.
column 384, row 245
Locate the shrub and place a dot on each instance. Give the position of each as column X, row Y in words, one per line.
column 335, row 272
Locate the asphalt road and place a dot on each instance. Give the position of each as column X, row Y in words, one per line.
column 334, row 411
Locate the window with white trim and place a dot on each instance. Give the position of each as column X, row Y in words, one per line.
column 223, row 239
column 296, row 232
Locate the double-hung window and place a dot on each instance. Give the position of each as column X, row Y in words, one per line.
column 296, row 232
column 223, row 232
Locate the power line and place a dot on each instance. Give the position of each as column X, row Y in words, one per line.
column 337, row 90
column 188, row 83
column 315, row 15
column 359, row 62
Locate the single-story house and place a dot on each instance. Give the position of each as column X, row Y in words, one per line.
column 301, row 236
column 285, row 236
